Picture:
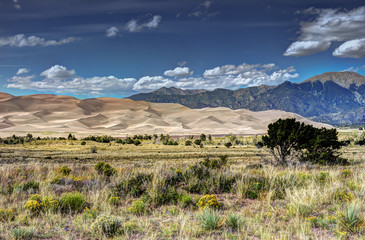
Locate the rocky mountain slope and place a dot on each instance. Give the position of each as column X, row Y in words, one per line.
column 334, row 97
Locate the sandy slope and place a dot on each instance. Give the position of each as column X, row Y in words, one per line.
column 117, row 117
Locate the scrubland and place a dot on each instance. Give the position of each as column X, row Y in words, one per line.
column 67, row 189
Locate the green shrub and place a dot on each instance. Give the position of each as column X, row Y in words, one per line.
column 163, row 195
column 197, row 142
column 23, row 233
column 83, row 143
column 37, row 204
column 105, row 169
column 210, row 219
column 342, row 195
column 36, row 197
column 188, row 143
column 137, row 142
column 228, row 144
column 255, row 187
column 186, row 201
column 56, row 180
column 6, row 215
column 134, row 185
column 138, row 207
column 215, row 163
column 323, row 177
column 73, row 202
column 64, row 170
column 208, row 201
column 346, row 173
column 33, row 206
column 107, row 225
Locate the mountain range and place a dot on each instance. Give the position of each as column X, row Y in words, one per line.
column 336, row 98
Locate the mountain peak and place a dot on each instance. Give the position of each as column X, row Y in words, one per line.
column 344, row 79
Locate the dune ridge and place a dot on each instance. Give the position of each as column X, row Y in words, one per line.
column 118, row 117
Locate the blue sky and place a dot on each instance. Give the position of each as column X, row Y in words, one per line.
column 117, row 48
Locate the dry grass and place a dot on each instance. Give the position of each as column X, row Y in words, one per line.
column 305, row 202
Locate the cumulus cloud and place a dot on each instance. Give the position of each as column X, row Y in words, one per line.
column 152, row 83
column 234, row 77
column 112, row 32
column 61, row 80
column 22, row 71
column 178, row 72
column 134, row 26
column 227, row 76
column 58, row 72
column 353, row 48
column 20, row 40
column 331, row 25
column 305, row 48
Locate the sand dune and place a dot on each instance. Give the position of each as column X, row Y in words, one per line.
column 63, row 114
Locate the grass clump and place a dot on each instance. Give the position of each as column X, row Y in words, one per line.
column 72, row 202
column 30, row 187
column 107, row 225
column 23, row 233
column 233, row 221
column 210, row 219
column 6, row 215
column 350, row 219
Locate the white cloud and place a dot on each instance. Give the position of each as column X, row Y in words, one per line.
column 22, row 71
column 112, row 32
column 151, row 83
column 20, row 40
column 178, row 72
column 233, row 77
column 153, row 23
column 330, row 25
column 352, row 49
column 228, row 70
column 58, row 72
column 134, row 26
column 61, row 80
column 305, row 48
column 203, row 11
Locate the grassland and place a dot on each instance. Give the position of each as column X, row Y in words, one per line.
column 155, row 192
